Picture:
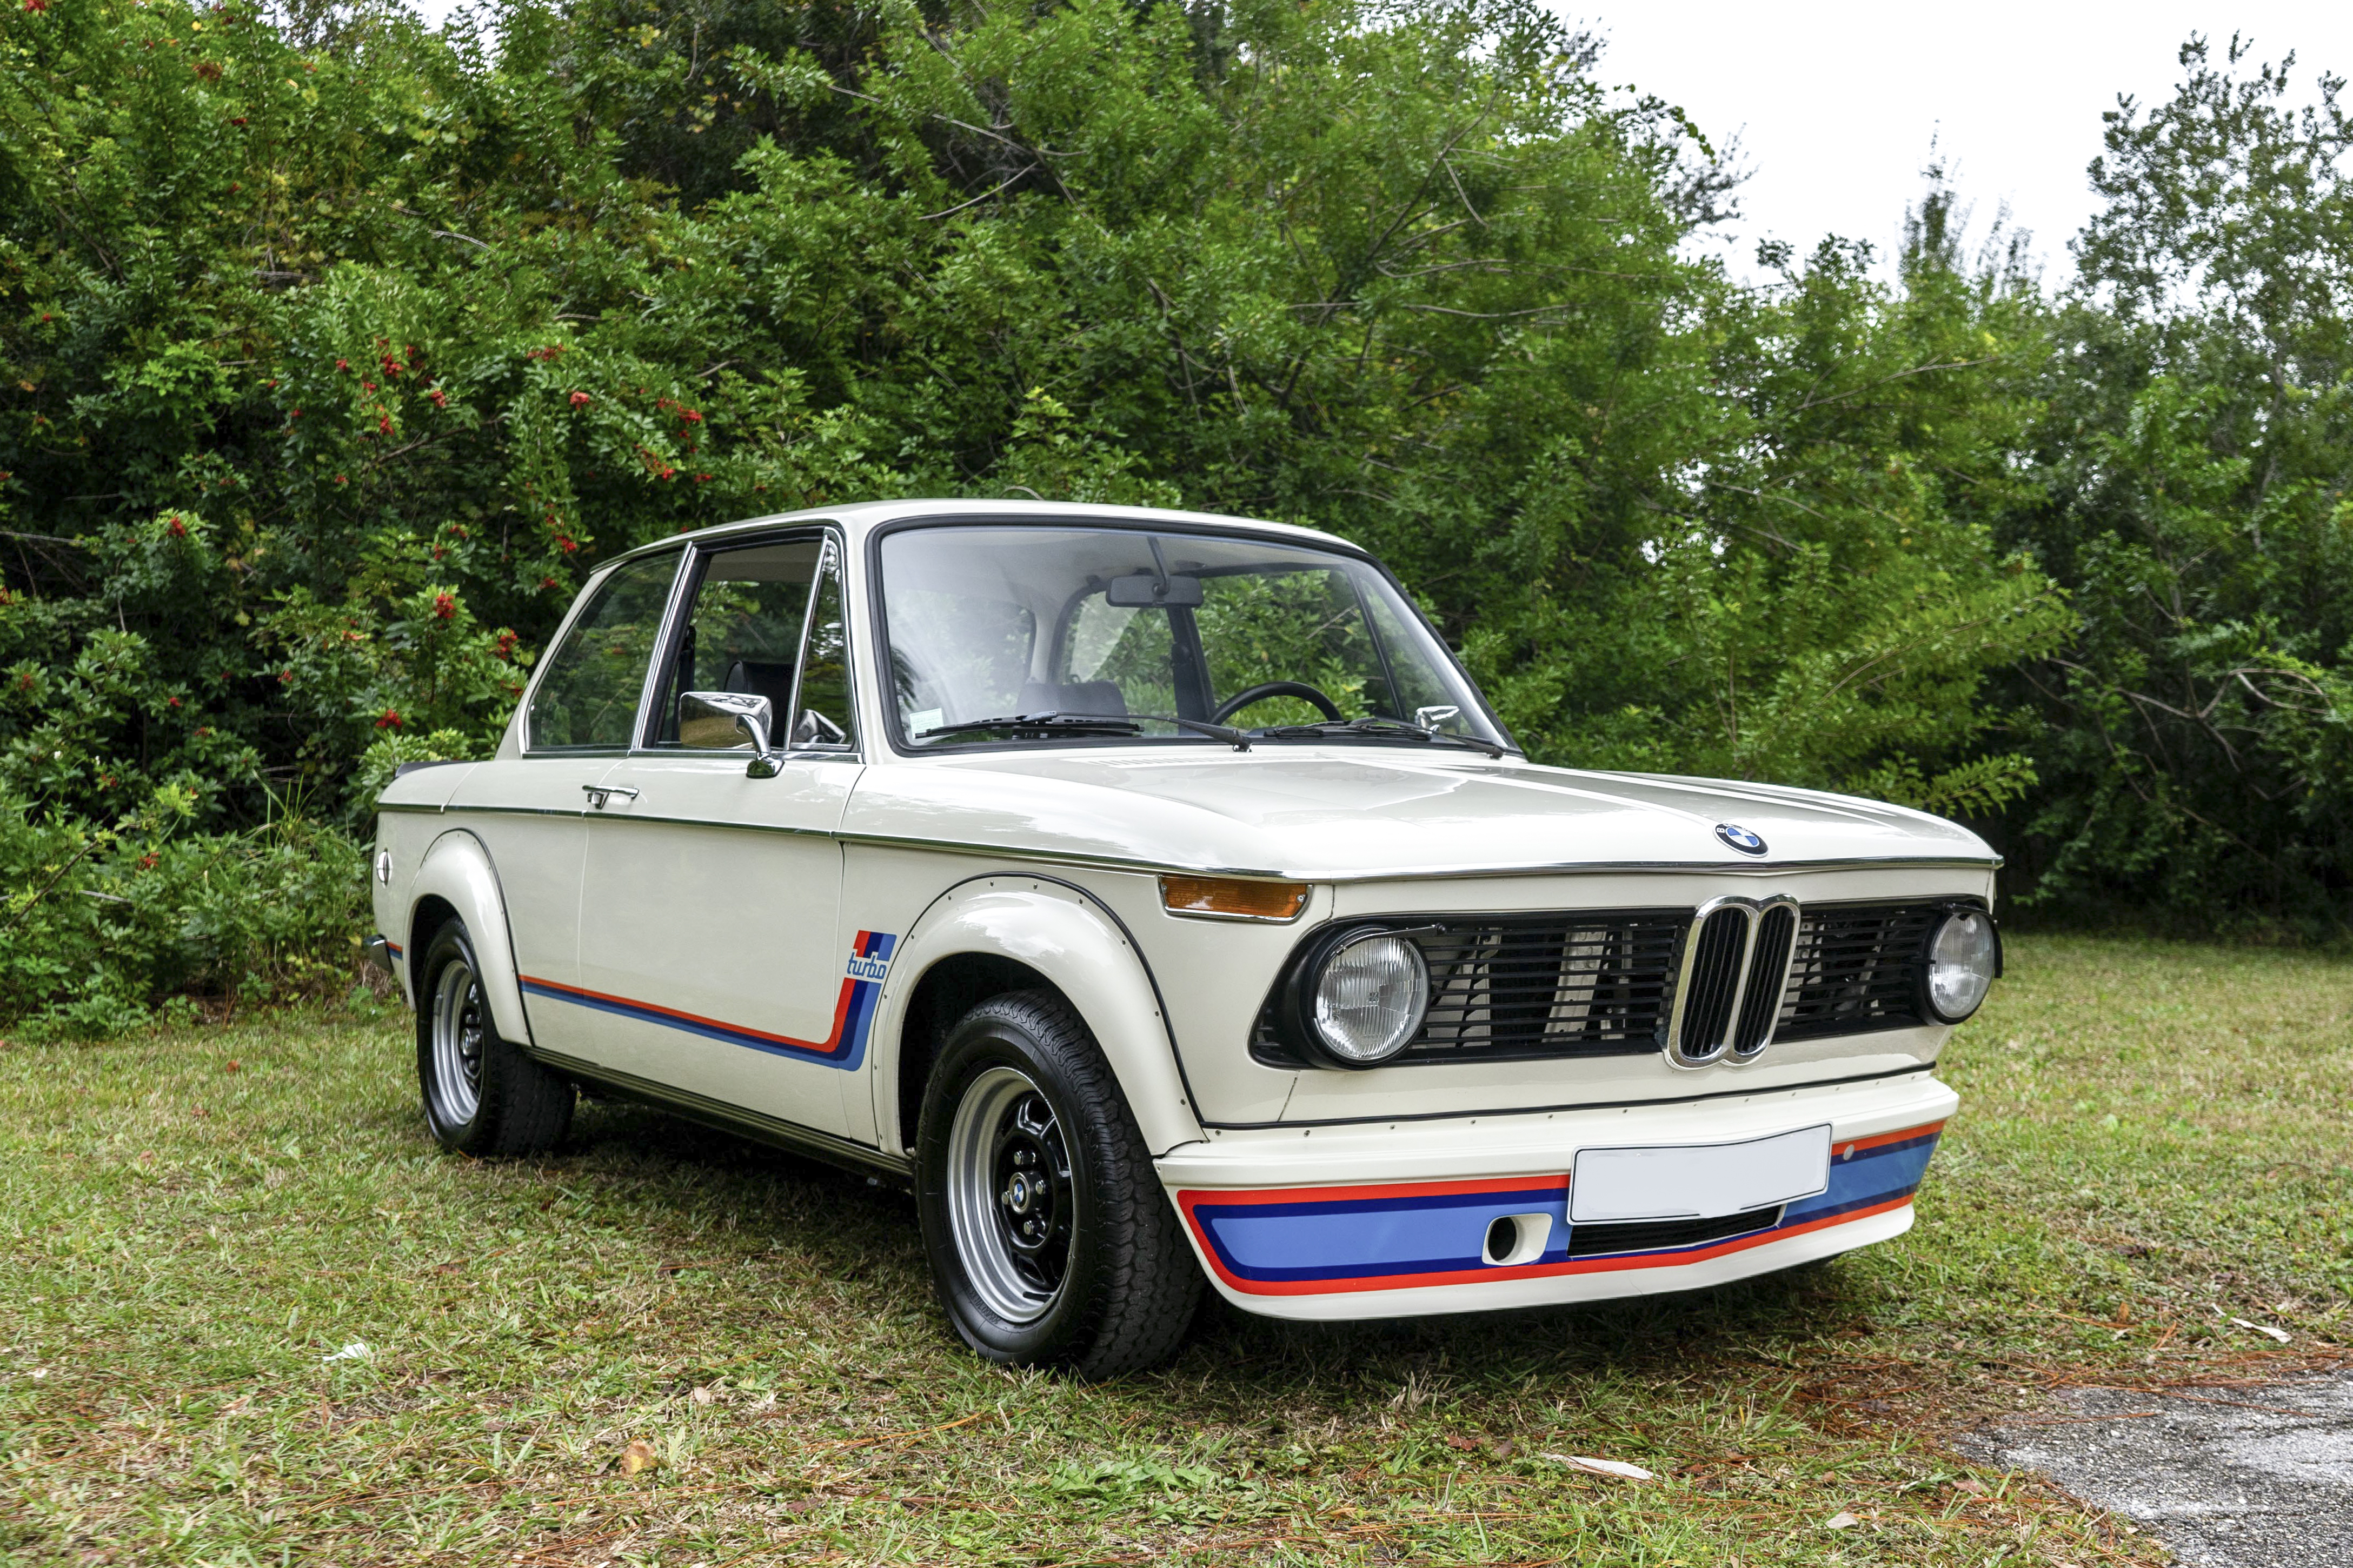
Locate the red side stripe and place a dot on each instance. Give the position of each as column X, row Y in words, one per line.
column 1881, row 1140
column 1557, row 1181
column 840, row 1013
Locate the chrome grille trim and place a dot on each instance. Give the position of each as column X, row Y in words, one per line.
column 1724, row 997
column 1768, row 978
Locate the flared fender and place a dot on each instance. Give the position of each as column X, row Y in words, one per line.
column 457, row 870
column 1076, row 943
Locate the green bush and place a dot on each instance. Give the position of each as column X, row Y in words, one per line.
column 106, row 920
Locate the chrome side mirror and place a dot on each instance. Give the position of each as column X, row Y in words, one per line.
column 713, row 718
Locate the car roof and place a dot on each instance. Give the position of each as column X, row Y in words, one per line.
column 862, row 518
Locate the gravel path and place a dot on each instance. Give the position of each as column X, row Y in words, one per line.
column 2236, row 1478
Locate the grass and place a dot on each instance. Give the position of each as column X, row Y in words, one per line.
column 195, row 1222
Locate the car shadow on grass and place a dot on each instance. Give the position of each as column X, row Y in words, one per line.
column 861, row 1236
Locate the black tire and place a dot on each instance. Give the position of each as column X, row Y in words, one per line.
column 1126, row 1284
column 482, row 1096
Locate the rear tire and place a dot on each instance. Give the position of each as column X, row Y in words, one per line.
column 1051, row 1240
column 483, row 1095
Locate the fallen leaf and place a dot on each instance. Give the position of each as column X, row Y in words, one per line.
column 355, row 1350
column 1841, row 1520
column 2279, row 1334
column 638, row 1455
column 1618, row 1467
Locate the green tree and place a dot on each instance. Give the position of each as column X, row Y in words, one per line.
column 331, row 359
column 2193, row 468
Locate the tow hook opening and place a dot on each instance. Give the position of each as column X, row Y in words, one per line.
column 1516, row 1238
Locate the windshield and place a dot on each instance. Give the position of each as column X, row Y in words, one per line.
column 1142, row 628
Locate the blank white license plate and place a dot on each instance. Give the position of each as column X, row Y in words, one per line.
column 1699, row 1181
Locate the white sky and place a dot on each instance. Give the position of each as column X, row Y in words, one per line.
column 1836, row 103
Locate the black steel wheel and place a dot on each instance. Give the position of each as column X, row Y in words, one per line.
column 1051, row 1240
column 483, row 1095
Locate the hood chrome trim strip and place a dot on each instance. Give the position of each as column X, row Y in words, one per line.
column 1427, row 873
column 1293, row 874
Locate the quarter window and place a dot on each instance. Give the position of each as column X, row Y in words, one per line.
column 586, row 699
column 827, row 717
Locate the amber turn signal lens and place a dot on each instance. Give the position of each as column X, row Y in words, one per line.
column 1233, row 897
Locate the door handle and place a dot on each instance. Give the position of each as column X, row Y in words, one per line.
column 599, row 794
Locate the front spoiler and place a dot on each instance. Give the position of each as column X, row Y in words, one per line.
column 1321, row 1240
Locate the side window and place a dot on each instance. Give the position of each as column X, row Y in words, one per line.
column 827, row 717
column 742, row 634
column 586, row 699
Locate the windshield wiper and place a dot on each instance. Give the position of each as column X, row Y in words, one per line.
column 1060, row 724
column 1378, row 728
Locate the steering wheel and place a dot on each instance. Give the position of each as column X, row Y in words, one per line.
column 1299, row 689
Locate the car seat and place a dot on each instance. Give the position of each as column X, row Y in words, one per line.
column 1100, row 699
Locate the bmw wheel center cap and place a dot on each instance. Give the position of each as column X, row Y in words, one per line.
column 1740, row 838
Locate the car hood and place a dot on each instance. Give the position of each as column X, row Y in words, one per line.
column 1329, row 812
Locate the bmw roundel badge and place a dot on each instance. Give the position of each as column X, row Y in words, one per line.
column 1740, row 838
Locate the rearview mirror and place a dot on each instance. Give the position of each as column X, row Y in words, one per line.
column 1143, row 590
column 714, row 719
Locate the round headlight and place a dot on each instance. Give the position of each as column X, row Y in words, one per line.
column 1370, row 995
column 1962, row 962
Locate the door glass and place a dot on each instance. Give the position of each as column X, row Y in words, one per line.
column 586, row 699
column 826, row 718
column 744, row 635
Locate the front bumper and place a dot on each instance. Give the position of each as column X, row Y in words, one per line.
column 1392, row 1219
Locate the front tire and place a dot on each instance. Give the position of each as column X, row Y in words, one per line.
column 483, row 1095
column 1050, row 1238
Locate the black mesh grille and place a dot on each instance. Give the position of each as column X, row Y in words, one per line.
column 1857, row 968
column 1592, row 1240
column 1504, row 988
column 1714, row 981
column 1582, row 985
column 1775, row 929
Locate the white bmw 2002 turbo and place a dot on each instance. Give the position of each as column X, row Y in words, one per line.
column 1156, row 894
